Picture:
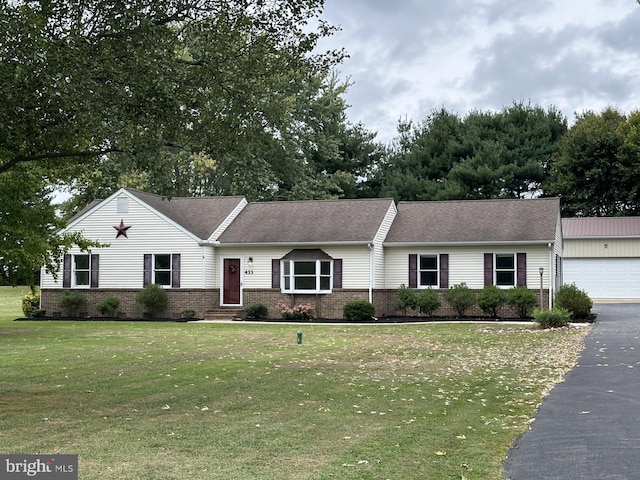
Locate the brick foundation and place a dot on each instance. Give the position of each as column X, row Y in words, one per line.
column 324, row 306
column 179, row 300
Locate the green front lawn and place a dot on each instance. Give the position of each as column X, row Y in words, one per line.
column 242, row 401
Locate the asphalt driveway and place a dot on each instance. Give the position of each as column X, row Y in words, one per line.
column 588, row 428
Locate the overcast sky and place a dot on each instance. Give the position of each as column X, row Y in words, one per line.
column 409, row 57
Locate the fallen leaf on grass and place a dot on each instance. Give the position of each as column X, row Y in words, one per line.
column 440, row 453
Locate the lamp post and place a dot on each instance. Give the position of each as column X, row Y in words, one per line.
column 541, row 270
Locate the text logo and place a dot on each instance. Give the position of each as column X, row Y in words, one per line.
column 49, row 467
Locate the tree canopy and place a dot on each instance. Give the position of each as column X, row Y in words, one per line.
column 80, row 79
column 483, row 155
column 597, row 168
column 153, row 81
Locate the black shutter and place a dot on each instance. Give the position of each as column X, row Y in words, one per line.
column 147, row 270
column 175, row 270
column 95, row 270
column 488, row 269
column 413, row 270
column 275, row 273
column 444, row 270
column 337, row 273
column 522, row 269
column 66, row 271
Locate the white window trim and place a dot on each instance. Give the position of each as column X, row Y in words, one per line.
column 153, row 269
column 437, row 270
column 74, row 270
column 318, row 276
column 496, row 270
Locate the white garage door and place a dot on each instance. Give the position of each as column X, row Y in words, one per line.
column 604, row 278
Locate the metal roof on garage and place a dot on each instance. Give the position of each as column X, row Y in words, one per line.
column 591, row 227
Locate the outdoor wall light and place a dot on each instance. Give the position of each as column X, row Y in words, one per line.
column 541, row 270
column 250, row 262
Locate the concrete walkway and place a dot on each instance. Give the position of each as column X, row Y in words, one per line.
column 588, row 428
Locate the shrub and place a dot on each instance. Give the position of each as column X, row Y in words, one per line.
column 71, row 303
column 359, row 311
column 257, row 310
column 575, row 300
column 188, row 313
column 428, row 301
column 490, row 299
column 31, row 304
column 299, row 312
column 554, row 318
column 523, row 300
column 152, row 300
column 108, row 307
column 460, row 297
column 405, row 298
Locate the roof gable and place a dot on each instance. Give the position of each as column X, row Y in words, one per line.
column 473, row 221
column 313, row 221
column 198, row 216
column 590, row 227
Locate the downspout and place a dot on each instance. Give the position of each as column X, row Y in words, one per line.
column 552, row 276
column 371, row 272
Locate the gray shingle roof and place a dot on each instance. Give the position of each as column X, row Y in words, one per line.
column 318, row 221
column 601, row 227
column 470, row 221
column 199, row 215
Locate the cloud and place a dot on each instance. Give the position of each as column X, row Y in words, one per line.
column 410, row 57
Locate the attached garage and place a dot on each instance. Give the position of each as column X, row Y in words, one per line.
column 605, row 278
column 602, row 257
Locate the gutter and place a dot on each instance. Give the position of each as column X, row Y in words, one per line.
column 465, row 244
column 361, row 243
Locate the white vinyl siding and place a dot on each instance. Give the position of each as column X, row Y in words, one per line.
column 122, row 263
column 466, row 264
column 355, row 263
column 378, row 250
column 221, row 228
column 602, row 248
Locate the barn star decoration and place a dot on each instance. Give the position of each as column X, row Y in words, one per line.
column 121, row 229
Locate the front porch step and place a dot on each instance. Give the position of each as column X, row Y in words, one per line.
column 223, row 314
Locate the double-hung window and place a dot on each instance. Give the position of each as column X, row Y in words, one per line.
column 307, row 276
column 428, row 271
column 505, row 269
column 81, row 268
column 162, row 269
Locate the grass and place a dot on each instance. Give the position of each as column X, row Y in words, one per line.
column 241, row 401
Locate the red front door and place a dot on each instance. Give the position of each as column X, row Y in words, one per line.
column 231, row 281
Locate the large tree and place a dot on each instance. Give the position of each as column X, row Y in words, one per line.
column 316, row 153
column 483, row 155
column 29, row 228
column 151, row 80
column 79, row 79
column 597, row 170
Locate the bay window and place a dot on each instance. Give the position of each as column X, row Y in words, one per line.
column 306, row 276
